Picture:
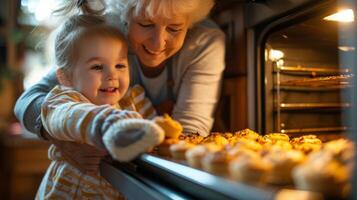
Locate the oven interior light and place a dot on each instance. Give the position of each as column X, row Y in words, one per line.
column 346, row 48
column 275, row 55
column 280, row 62
column 346, row 15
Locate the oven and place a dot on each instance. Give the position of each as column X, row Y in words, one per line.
column 298, row 77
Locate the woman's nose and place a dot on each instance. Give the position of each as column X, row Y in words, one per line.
column 159, row 39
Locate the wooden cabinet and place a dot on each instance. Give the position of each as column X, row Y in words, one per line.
column 10, row 81
column 229, row 15
column 23, row 164
column 231, row 112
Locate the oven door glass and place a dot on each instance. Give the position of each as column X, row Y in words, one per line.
column 307, row 86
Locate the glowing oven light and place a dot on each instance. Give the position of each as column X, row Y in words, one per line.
column 275, row 55
column 346, row 48
column 346, row 15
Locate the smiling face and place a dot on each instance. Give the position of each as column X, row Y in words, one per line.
column 101, row 71
column 156, row 39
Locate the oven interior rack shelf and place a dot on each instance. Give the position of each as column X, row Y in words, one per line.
column 311, row 71
column 320, row 82
column 310, row 100
column 314, row 130
column 313, row 106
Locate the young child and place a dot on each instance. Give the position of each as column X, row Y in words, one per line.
column 94, row 75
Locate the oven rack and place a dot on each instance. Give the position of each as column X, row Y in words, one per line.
column 315, row 130
column 312, row 106
column 342, row 81
column 310, row 71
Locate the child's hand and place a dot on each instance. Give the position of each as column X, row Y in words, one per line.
column 126, row 139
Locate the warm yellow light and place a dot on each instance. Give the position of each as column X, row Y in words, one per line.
column 346, row 15
column 275, row 55
column 346, row 48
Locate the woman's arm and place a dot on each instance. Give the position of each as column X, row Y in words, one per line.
column 199, row 89
column 28, row 106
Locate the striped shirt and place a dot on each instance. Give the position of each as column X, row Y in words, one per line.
column 68, row 115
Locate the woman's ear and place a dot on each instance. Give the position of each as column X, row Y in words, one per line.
column 62, row 78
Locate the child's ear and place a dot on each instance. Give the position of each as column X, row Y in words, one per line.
column 62, row 78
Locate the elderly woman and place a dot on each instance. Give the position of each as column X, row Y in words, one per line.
column 176, row 54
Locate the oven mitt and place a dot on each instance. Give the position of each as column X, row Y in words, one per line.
column 126, row 139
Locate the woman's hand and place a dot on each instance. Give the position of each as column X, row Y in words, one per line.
column 165, row 107
column 85, row 157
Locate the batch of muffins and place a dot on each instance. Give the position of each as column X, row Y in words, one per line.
column 248, row 157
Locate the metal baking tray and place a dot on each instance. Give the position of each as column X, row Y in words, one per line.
column 192, row 183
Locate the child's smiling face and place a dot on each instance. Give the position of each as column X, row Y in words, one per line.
column 101, row 73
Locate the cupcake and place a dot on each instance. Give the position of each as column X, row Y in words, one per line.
column 179, row 149
column 247, row 133
column 277, row 137
column 248, row 144
column 195, row 155
column 191, row 138
column 163, row 149
column 227, row 135
column 322, row 173
column 172, row 128
column 282, row 145
column 306, row 143
column 216, row 163
column 282, row 162
column 216, row 139
column 342, row 150
column 248, row 167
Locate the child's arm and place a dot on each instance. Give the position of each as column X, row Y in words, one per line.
column 68, row 115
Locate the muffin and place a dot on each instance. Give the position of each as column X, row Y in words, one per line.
column 163, row 149
column 172, row 128
column 227, row 135
column 277, row 137
column 306, row 143
column 306, row 139
column 322, row 173
column 191, row 138
column 248, row 167
column 247, row 133
column 195, row 155
column 281, row 144
column 216, row 139
column 248, row 144
column 216, row 163
column 233, row 140
column 179, row 149
column 341, row 149
column 282, row 162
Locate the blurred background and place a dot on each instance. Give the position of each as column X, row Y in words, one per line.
column 25, row 26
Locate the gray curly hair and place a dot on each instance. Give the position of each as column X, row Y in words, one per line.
column 195, row 10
